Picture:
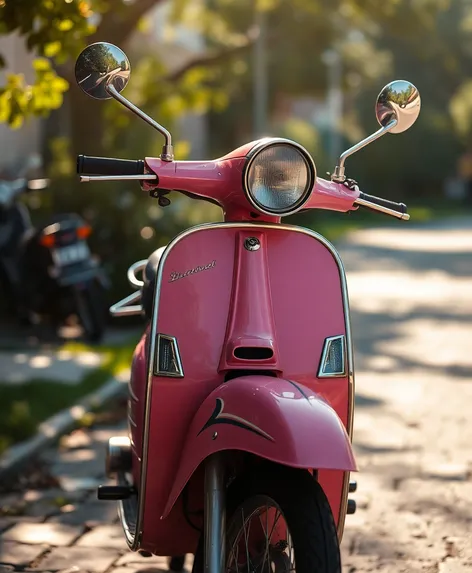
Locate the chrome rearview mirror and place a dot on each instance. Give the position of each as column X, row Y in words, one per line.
column 102, row 71
column 100, row 67
column 399, row 100
column 397, row 108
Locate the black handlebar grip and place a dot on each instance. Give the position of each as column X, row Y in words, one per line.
column 108, row 166
column 401, row 207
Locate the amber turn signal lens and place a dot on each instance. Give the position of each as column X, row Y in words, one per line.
column 48, row 240
column 84, row 232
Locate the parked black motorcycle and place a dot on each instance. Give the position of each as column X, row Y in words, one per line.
column 49, row 271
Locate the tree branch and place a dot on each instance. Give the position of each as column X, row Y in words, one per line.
column 207, row 59
column 117, row 26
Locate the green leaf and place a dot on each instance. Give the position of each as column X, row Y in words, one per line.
column 52, row 49
column 41, row 64
column 65, row 25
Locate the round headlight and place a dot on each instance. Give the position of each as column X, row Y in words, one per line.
column 279, row 177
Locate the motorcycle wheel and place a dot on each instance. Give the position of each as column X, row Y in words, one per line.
column 281, row 522
column 90, row 311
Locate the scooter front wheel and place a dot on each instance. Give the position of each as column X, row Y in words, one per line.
column 176, row 563
column 281, row 523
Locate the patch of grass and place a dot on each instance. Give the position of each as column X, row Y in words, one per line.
column 24, row 406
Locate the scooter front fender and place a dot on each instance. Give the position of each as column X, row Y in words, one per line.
column 273, row 418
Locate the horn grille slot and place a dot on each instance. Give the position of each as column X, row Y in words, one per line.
column 253, row 353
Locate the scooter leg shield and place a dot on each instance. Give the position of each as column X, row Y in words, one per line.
column 272, row 418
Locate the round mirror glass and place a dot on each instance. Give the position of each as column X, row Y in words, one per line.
column 99, row 66
column 398, row 100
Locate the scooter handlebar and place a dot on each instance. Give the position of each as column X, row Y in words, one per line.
column 398, row 210
column 327, row 194
column 108, row 166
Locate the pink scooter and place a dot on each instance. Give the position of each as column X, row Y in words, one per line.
column 241, row 397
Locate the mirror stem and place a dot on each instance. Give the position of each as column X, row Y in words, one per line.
column 167, row 150
column 338, row 176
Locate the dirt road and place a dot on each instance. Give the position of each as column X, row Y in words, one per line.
column 411, row 297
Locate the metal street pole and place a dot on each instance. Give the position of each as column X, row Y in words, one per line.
column 260, row 76
column 335, row 101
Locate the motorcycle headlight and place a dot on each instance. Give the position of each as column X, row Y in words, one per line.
column 278, row 177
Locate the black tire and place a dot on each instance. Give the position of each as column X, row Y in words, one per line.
column 91, row 311
column 177, row 563
column 304, row 507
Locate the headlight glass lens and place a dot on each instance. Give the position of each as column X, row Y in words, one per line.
column 279, row 178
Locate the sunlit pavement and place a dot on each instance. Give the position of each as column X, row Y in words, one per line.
column 411, row 302
column 42, row 358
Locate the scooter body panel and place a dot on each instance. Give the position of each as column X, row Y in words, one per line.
column 215, row 295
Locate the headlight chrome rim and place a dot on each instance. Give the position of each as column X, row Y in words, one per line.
column 311, row 179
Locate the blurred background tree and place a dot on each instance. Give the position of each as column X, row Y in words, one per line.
column 221, row 72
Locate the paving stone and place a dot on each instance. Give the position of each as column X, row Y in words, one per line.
column 85, row 484
column 78, row 469
column 62, row 366
column 104, row 536
column 135, row 568
column 104, row 433
column 6, row 522
column 453, row 566
column 134, row 561
column 77, row 440
column 9, row 500
column 59, row 496
column 408, row 566
column 88, row 514
column 80, row 455
column 18, row 553
column 71, row 569
column 41, row 509
column 365, row 564
column 133, row 558
column 96, row 561
column 11, row 505
column 43, row 533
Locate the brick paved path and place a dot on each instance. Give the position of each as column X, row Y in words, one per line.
column 65, row 525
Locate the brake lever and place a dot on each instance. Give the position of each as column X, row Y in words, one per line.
column 351, row 184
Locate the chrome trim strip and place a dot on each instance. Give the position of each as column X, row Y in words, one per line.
column 125, row 306
column 134, row 540
column 127, row 511
column 326, row 348
column 130, row 416
column 175, row 345
column 131, row 392
column 131, row 274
